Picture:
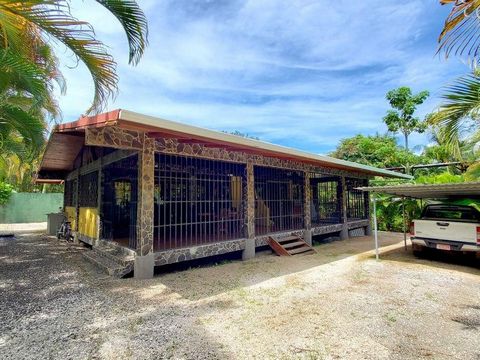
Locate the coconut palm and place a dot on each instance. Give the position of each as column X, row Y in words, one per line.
column 42, row 20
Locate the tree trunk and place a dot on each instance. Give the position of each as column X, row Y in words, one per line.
column 406, row 141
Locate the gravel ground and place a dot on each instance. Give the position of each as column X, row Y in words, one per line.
column 338, row 303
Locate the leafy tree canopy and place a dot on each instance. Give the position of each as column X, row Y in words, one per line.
column 401, row 118
column 378, row 150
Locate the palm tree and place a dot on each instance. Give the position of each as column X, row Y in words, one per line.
column 41, row 19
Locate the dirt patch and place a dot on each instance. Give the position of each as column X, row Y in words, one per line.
column 338, row 303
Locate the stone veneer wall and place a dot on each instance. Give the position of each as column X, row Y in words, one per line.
column 112, row 136
column 197, row 252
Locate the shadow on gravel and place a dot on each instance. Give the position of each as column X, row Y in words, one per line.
column 467, row 263
column 209, row 279
column 55, row 305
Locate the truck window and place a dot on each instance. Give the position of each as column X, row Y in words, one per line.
column 460, row 213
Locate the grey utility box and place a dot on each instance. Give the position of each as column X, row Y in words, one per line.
column 54, row 221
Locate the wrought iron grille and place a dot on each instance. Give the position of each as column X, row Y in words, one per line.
column 197, row 201
column 356, row 204
column 326, row 200
column 119, row 201
column 70, row 193
column 279, row 198
column 88, row 190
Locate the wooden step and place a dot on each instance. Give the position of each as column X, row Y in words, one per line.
column 293, row 244
column 287, row 239
column 301, row 250
column 290, row 245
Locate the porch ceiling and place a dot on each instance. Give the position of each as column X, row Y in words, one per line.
column 59, row 155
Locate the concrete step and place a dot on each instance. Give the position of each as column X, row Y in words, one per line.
column 108, row 265
column 114, row 254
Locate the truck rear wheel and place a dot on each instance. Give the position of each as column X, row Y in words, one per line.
column 417, row 250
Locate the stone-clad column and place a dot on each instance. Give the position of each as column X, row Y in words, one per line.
column 144, row 260
column 307, row 211
column 249, row 251
column 344, row 232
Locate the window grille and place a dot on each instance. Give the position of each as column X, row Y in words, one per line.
column 326, row 200
column 197, row 201
column 70, row 193
column 88, row 190
column 279, row 200
column 356, row 204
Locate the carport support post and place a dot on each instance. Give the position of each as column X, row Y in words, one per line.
column 375, row 225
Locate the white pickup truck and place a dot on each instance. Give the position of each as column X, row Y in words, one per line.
column 446, row 227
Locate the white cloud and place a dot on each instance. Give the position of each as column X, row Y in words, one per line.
column 303, row 73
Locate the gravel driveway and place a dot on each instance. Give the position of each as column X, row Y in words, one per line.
column 338, row 303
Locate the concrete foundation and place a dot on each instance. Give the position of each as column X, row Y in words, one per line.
column 307, row 236
column 249, row 251
column 143, row 266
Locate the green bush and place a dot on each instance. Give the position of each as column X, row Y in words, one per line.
column 5, row 192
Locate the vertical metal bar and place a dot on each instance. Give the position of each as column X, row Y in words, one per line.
column 375, row 225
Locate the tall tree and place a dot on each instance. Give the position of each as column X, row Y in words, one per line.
column 43, row 20
column 401, row 118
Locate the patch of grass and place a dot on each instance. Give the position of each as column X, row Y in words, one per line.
column 430, row 296
column 390, row 317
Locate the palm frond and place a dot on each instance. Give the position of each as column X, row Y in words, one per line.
column 461, row 102
column 14, row 120
column 22, row 75
column 460, row 34
column 134, row 22
column 52, row 17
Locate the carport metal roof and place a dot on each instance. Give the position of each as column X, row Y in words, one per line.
column 430, row 191
column 420, row 191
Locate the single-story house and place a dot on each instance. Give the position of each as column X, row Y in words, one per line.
column 166, row 192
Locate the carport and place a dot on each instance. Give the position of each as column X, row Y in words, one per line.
column 420, row 191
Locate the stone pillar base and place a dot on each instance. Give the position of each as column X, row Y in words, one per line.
column 249, row 251
column 143, row 266
column 344, row 232
column 368, row 230
column 307, row 236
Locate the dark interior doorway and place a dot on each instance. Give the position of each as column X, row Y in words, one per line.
column 119, row 202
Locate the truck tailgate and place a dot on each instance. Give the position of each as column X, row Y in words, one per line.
column 446, row 230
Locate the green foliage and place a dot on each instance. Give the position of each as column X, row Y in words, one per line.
column 378, row 150
column 401, row 118
column 443, row 178
column 390, row 212
column 5, row 192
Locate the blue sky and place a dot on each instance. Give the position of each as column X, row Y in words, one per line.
column 303, row 73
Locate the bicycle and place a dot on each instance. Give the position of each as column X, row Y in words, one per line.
column 65, row 230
